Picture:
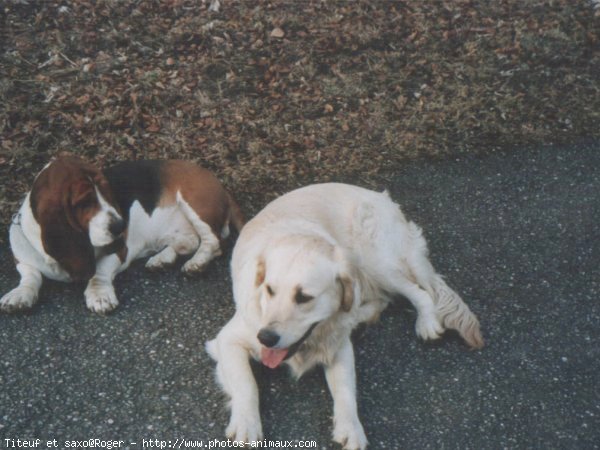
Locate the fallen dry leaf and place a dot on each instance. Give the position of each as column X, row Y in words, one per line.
column 153, row 127
column 277, row 33
column 497, row 76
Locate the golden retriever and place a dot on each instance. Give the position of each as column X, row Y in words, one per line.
column 309, row 268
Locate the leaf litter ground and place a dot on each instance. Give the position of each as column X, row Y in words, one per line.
column 275, row 95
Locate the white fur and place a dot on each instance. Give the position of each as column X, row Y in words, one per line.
column 26, row 293
column 26, row 242
column 169, row 231
column 99, row 224
column 32, row 261
column 341, row 379
column 100, row 294
column 315, row 238
column 209, row 243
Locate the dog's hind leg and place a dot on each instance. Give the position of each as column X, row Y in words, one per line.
column 428, row 326
column 184, row 243
column 166, row 257
column 389, row 243
column 210, row 245
column 450, row 310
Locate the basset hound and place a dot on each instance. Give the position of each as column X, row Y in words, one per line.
column 81, row 224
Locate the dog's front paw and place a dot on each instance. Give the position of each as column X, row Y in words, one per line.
column 101, row 299
column 18, row 299
column 193, row 267
column 156, row 265
column 350, row 434
column 162, row 260
column 244, row 427
column 428, row 327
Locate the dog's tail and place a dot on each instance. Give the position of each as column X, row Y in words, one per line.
column 451, row 310
column 455, row 314
column 236, row 216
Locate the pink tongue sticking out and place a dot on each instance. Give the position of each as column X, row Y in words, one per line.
column 272, row 357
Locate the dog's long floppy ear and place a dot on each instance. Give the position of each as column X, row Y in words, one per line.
column 70, row 248
column 261, row 271
column 347, row 292
column 345, row 280
column 62, row 238
column 74, row 195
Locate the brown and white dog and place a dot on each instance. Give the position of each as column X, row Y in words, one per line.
column 81, row 224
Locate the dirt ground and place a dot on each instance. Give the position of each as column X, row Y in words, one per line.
column 273, row 95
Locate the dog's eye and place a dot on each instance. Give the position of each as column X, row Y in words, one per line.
column 302, row 298
column 269, row 290
column 87, row 201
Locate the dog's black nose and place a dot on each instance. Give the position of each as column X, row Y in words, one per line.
column 117, row 226
column 268, row 338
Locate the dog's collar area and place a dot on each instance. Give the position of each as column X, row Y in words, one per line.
column 16, row 219
column 292, row 349
column 113, row 247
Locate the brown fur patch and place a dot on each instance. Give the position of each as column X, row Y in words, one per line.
column 202, row 191
column 261, row 272
column 63, row 201
column 347, row 299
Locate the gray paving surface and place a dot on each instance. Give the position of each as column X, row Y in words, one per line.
column 517, row 235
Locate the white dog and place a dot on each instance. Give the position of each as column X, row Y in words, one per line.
column 306, row 271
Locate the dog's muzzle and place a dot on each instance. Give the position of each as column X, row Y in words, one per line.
column 273, row 357
column 117, row 226
column 296, row 346
column 268, row 338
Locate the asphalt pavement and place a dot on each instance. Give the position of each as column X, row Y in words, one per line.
column 516, row 234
